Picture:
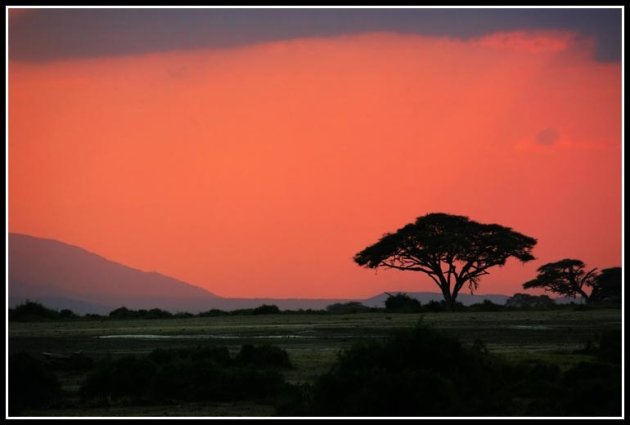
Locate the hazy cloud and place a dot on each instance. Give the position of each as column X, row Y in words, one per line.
column 548, row 136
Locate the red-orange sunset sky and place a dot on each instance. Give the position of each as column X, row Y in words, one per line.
column 259, row 168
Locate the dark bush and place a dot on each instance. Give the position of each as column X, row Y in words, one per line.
column 402, row 303
column 414, row 373
column 123, row 313
column 128, row 376
column 266, row 309
column 67, row 314
column 199, row 380
column 31, row 384
column 32, row 312
column 191, row 374
column 591, row 389
column 439, row 306
column 242, row 312
column 213, row 313
column 264, row 356
column 528, row 301
column 486, row 305
column 156, row 313
column 347, row 308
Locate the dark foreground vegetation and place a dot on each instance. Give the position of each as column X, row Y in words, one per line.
column 415, row 372
column 422, row 372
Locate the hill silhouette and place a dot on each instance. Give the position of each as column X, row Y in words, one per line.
column 42, row 269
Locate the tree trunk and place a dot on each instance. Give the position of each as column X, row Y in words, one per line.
column 448, row 298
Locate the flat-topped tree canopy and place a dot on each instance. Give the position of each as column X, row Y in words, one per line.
column 565, row 277
column 451, row 249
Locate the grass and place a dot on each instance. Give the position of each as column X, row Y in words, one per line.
column 312, row 341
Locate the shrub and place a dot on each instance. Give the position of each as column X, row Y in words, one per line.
column 213, row 313
column 191, row 374
column 347, row 308
column 264, row 356
column 486, row 305
column 528, row 301
column 266, row 309
column 402, row 303
column 31, row 312
column 128, row 376
column 31, row 384
column 609, row 348
column 414, row 373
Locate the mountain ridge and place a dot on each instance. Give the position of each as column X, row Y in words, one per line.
column 47, row 268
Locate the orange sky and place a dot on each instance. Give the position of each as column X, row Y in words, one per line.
column 260, row 171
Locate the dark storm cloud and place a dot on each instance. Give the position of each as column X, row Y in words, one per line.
column 48, row 34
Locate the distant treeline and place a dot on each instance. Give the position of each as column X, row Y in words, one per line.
column 395, row 303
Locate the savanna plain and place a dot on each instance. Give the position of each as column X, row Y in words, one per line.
column 558, row 339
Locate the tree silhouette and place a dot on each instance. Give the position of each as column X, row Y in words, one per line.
column 565, row 277
column 402, row 303
column 529, row 301
column 607, row 286
column 451, row 249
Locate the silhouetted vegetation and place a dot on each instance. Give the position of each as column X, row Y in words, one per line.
column 196, row 374
column 351, row 307
column 485, row 305
column 452, row 250
column 421, row 372
column 528, row 302
column 215, row 312
column 442, row 306
column 607, row 287
column 607, row 348
column 266, row 309
column 264, row 356
column 31, row 384
column 395, row 303
column 402, row 303
column 33, row 312
column 565, row 277
column 125, row 314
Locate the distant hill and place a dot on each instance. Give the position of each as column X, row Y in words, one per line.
column 45, row 269
column 59, row 275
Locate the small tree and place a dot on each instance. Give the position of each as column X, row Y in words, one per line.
column 452, row 250
column 565, row 277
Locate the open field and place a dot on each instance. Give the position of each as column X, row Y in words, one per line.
column 312, row 342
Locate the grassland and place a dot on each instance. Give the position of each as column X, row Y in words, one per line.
column 312, row 342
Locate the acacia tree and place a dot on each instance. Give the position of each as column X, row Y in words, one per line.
column 451, row 249
column 565, row 277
